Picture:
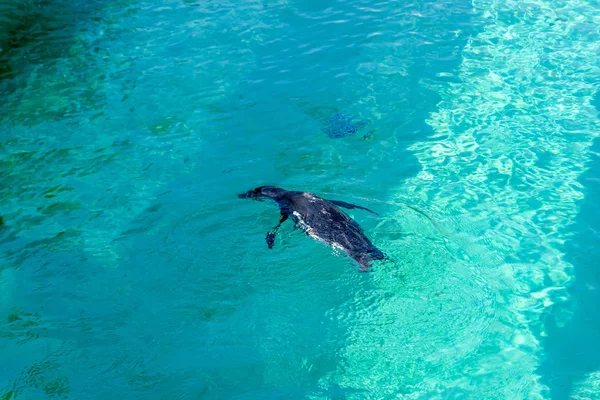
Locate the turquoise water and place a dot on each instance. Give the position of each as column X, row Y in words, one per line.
column 130, row 269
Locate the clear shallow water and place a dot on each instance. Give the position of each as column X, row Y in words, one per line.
column 130, row 269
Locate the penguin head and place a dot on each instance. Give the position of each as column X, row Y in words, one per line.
column 261, row 192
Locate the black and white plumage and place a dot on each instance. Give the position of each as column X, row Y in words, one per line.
column 320, row 219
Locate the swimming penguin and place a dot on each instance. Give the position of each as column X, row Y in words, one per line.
column 321, row 220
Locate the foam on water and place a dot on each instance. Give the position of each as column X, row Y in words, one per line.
column 500, row 175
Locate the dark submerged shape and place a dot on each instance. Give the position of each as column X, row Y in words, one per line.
column 321, row 220
column 341, row 125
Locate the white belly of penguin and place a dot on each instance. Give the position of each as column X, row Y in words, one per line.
column 310, row 231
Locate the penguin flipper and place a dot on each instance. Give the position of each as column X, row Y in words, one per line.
column 350, row 206
column 270, row 238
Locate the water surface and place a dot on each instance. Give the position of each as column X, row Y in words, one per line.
column 129, row 267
